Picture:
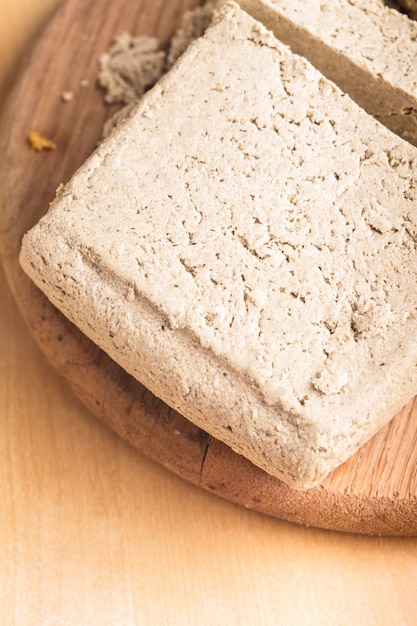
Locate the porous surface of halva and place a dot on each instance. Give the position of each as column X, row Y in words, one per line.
column 367, row 48
column 244, row 244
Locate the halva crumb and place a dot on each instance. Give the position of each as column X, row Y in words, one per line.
column 132, row 65
column 193, row 24
column 67, row 96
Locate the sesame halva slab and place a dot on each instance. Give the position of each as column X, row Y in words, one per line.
column 244, row 244
column 367, row 48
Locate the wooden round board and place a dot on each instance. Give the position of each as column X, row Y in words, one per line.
column 375, row 492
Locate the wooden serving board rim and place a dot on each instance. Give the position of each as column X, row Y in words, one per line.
column 375, row 492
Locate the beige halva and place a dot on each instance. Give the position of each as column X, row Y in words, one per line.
column 244, row 244
column 367, row 48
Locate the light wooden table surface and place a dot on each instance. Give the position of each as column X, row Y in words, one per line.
column 92, row 532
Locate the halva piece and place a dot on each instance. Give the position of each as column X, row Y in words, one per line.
column 367, row 48
column 244, row 244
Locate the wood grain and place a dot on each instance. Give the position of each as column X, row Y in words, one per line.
column 375, row 492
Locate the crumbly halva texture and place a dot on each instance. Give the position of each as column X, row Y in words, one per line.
column 244, row 244
column 368, row 49
column 193, row 25
column 134, row 64
column 130, row 67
